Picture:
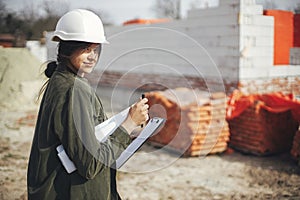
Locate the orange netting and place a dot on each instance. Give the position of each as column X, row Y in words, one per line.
column 145, row 21
column 273, row 102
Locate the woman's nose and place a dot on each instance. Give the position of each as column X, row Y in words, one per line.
column 93, row 55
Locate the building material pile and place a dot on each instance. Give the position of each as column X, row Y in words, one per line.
column 196, row 123
column 262, row 124
column 21, row 78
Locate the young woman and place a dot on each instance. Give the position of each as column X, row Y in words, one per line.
column 68, row 114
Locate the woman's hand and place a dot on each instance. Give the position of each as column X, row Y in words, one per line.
column 138, row 114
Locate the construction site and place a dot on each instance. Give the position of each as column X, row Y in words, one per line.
column 226, row 79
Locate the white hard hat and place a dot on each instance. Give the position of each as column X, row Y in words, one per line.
column 80, row 25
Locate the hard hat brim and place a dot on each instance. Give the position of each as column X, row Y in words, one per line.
column 56, row 38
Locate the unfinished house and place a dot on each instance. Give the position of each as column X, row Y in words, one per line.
column 235, row 46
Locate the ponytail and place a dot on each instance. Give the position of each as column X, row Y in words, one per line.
column 51, row 67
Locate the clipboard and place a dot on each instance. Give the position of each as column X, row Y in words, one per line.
column 106, row 128
column 151, row 128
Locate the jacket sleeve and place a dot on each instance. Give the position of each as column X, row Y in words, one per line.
column 77, row 134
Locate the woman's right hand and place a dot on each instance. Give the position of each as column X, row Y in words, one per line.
column 138, row 114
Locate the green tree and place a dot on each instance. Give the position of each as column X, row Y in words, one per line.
column 3, row 13
column 33, row 19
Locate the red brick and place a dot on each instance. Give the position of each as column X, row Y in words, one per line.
column 192, row 127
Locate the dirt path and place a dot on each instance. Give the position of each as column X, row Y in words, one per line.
column 224, row 176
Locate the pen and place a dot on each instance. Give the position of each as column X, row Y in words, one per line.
column 143, row 96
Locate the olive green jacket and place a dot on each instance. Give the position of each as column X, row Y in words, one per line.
column 68, row 114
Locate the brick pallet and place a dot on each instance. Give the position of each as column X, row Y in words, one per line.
column 260, row 132
column 196, row 123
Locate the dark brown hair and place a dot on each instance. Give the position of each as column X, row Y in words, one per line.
column 65, row 50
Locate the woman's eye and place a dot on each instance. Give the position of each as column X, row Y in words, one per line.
column 88, row 50
column 94, row 50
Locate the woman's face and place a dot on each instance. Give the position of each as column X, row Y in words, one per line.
column 84, row 60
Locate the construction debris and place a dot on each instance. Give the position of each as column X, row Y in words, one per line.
column 195, row 123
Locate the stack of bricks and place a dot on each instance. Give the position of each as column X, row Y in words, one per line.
column 260, row 132
column 295, row 151
column 196, row 123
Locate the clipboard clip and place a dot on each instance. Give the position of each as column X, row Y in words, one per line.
column 143, row 96
column 155, row 120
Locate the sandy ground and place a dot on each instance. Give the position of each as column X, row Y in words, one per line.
column 163, row 175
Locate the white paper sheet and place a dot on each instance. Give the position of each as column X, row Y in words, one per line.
column 106, row 128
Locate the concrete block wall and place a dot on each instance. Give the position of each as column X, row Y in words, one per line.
column 225, row 47
column 205, row 45
column 253, row 38
column 295, row 56
column 179, row 45
column 229, row 42
column 257, row 72
column 256, row 41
